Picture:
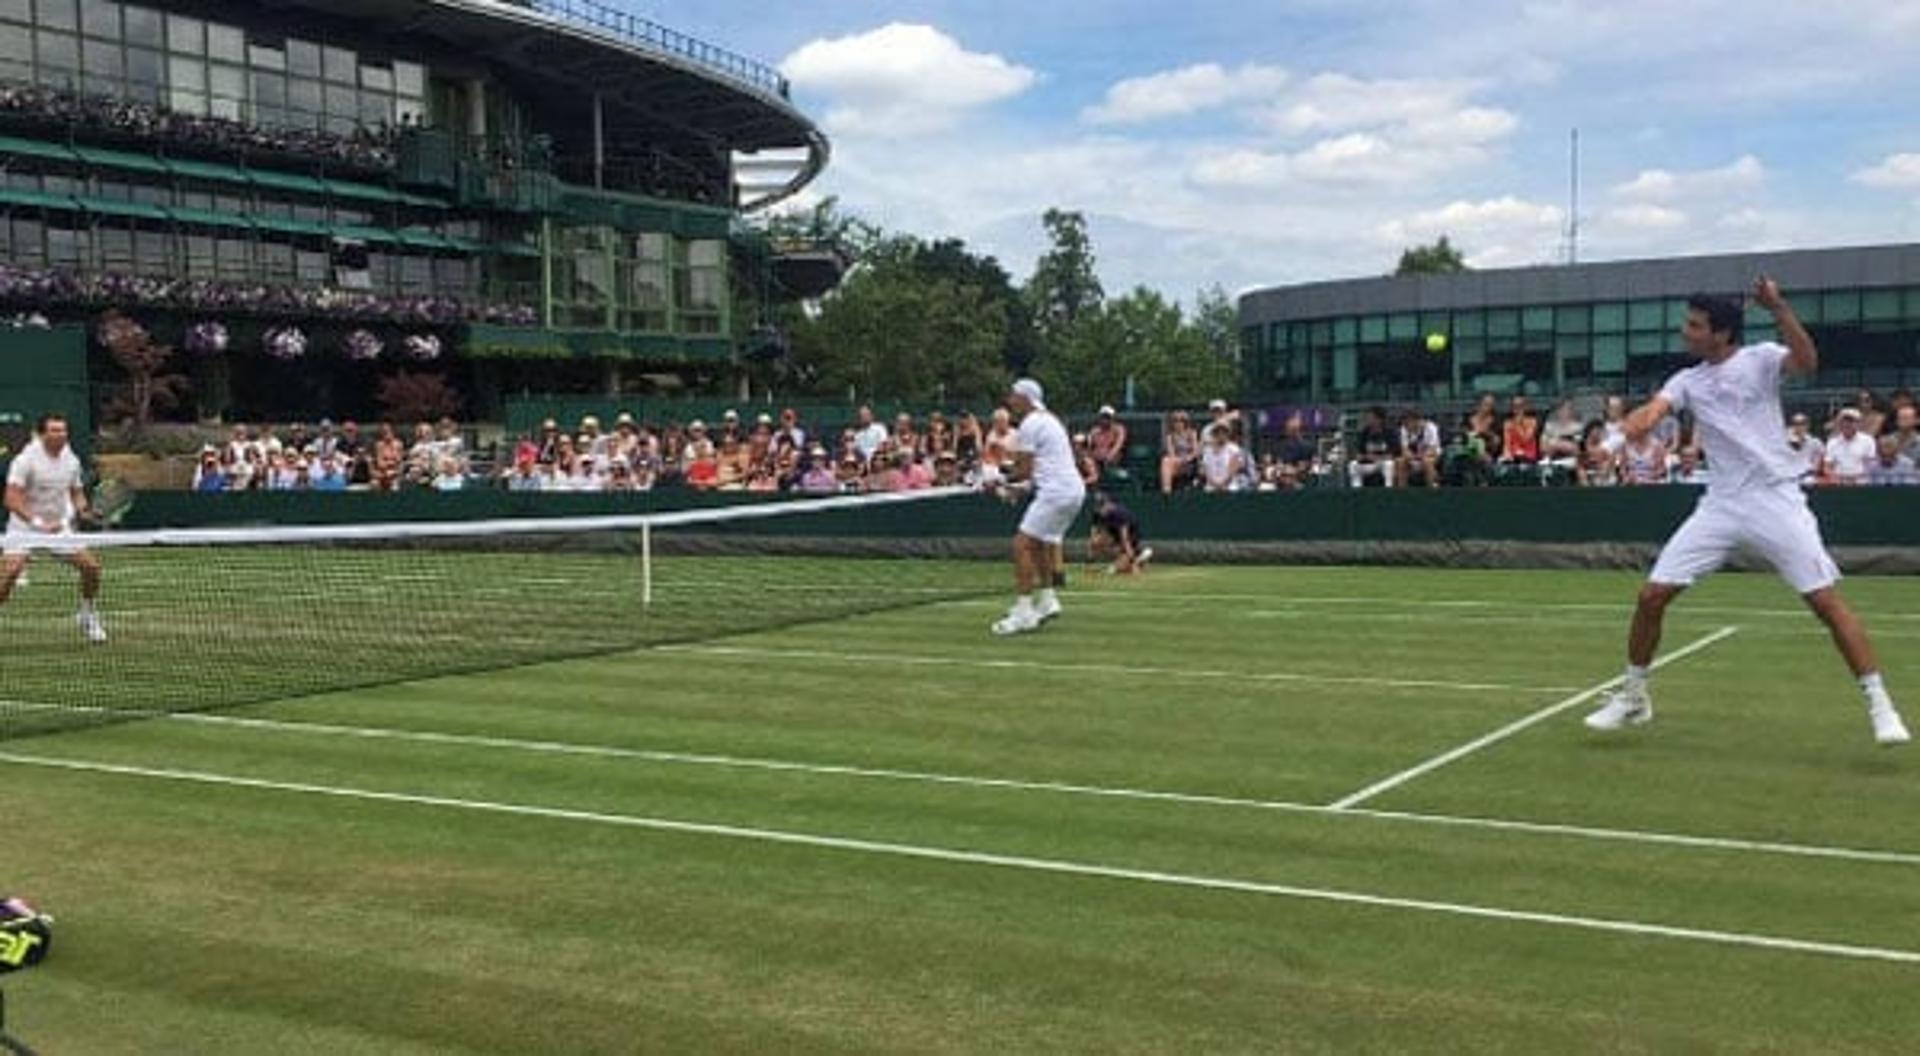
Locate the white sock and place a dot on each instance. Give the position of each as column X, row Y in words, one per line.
column 86, row 607
column 1872, row 685
column 1024, row 603
column 1636, row 675
column 1047, row 597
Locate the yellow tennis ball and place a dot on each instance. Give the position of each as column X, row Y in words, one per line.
column 1436, row 343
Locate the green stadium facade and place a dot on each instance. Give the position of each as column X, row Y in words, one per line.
column 1608, row 327
column 540, row 195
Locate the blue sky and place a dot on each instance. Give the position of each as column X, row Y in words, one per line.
column 1248, row 144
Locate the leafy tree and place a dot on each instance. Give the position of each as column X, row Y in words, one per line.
column 147, row 388
column 1065, row 285
column 1218, row 320
column 1141, row 336
column 418, row 397
column 1441, row 258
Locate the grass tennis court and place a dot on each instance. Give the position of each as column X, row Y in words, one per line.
column 891, row 832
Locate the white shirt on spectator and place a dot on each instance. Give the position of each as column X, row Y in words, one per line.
column 1217, row 464
column 1848, row 459
column 48, row 484
column 1736, row 411
column 868, row 440
column 1055, row 473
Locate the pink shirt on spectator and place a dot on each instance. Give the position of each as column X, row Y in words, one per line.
column 914, row 477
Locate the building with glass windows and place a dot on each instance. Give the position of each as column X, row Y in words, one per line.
column 549, row 190
column 1607, row 327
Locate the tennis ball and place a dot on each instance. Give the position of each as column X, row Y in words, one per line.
column 1436, row 343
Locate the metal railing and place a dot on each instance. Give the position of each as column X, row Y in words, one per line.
column 633, row 29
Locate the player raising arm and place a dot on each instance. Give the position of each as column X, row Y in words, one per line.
column 1753, row 501
column 1044, row 464
column 45, row 497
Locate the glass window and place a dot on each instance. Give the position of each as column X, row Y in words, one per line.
column 143, row 26
column 16, row 46
column 233, row 258
column 410, row 79
column 312, row 266
column 1572, row 319
column 409, row 111
column 342, row 101
column 340, row 65
column 266, row 57
column 116, row 248
column 1609, row 318
column 226, row 43
column 68, row 247
column 303, row 57
column 1537, row 320
column 151, row 254
column 1840, row 306
column 1880, row 305
column 59, row 50
column 199, row 256
column 1403, row 326
column 228, row 81
column 276, row 259
column 1677, row 313
column 269, row 89
column 1650, row 344
column 378, row 78
column 58, row 14
column 706, row 253
column 29, row 241
column 16, row 11
column 375, row 108
column 416, row 275
column 226, row 106
column 1646, row 315
column 1346, row 330
column 186, row 35
column 1503, row 322
column 186, row 74
column 303, row 94
column 1373, row 329
column 143, row 66
column 1470, row 324
column 187, row 102
column 100, row 18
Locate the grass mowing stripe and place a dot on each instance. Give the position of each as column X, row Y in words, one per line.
column 963, row 857
column 463, row 740
column 1622, row 609
column 1501, row 734
column 984, row 663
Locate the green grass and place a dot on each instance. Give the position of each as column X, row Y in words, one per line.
column 221, row 918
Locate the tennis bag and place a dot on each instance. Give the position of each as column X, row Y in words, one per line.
column 26, row 935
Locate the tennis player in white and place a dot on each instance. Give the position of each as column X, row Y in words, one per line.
column 1043, row 463
column 1753, row 501
column 45, row 498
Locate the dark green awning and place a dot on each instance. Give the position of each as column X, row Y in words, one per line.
column 119, row 159
column 366, row 192
column 109, row 207
column 287, row 181
column 295, row 227
column 13, row 196
column 205, row 171
column 34, row 148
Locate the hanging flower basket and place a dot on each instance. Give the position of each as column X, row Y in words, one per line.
column 286, row 343
column 423, row 347
column 207, row 339
column 362, row 347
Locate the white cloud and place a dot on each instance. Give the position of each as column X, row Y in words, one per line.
column 902, row 80
column 1176, row 93
column 1897, row 171
column 1467, row 126
column 1493, row 224
column 1337, row 102
column 1661, row 185
column 1243, row 168
column 1643, row 217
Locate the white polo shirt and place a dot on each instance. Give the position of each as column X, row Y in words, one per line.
column 48, row 482
column 1736, row 413
column 1849, row 459
column 1055, row 474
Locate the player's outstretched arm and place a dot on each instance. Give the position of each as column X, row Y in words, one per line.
column 1643, row 418
column 1802, row 356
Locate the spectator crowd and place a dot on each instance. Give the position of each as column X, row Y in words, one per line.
column 1861, row 443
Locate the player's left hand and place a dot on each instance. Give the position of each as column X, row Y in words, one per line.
column 1766, row 293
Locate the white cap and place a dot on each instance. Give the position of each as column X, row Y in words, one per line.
column 1031, row 390
column 1217, row 405
column 764, row 419
column 731, row 415
column 1106, row 410
column 1850, row 412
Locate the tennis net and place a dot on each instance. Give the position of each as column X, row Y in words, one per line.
column 220, row 618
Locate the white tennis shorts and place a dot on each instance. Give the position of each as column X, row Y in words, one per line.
column 1773, row 524
column 1048, row 517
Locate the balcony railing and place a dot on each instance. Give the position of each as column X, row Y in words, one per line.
column 652, row 36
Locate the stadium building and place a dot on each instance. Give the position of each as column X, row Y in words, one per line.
column 537, row 195
column 1607, row 327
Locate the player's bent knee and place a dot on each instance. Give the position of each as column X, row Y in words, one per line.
column 1657, row 596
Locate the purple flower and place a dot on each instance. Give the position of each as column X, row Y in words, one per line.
column 362, row 347
column 286, row 343
column 207, row 339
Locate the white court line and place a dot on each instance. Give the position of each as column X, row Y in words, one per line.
column 1003, row 861
column 461, row 740
column 988, row 663
column 1516, row 726
column 1623, row 608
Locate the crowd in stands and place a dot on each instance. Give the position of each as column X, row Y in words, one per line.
column 48, row 286
column 1863, row 443
column 362, row 149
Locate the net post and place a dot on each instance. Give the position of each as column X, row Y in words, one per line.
column 646, row 566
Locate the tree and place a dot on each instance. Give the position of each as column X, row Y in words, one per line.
column 1065, row 285
column 418, row 397
column 1143, row 337
column 825, row 222
column 1441, row 258
column 893, row 331
column 1218, row 320
column 146, row 388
